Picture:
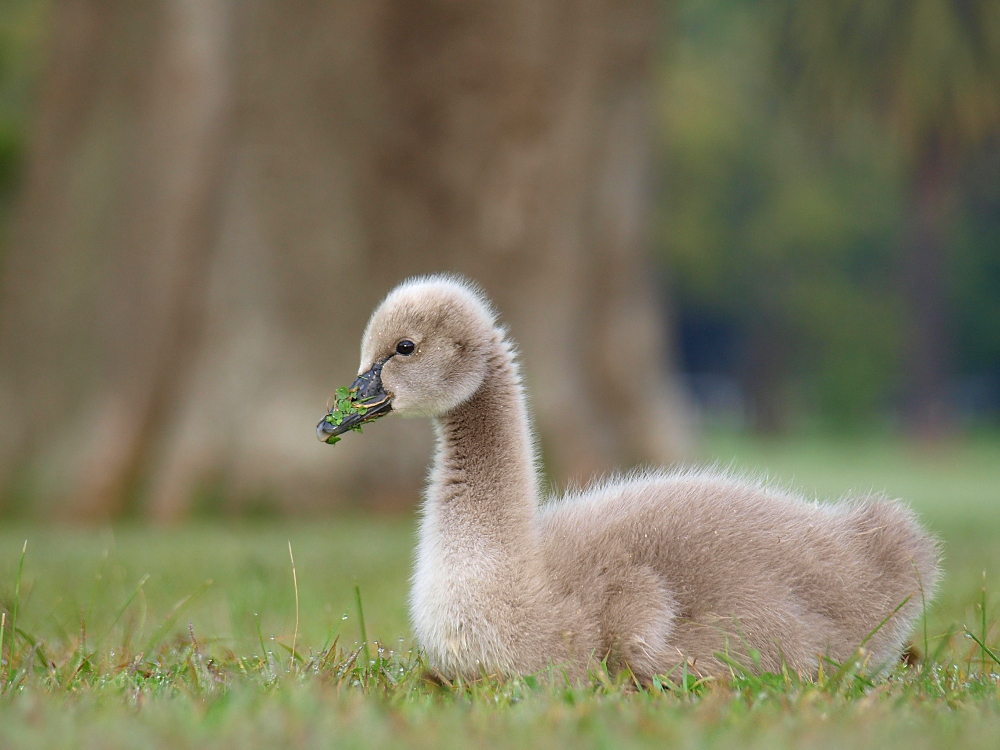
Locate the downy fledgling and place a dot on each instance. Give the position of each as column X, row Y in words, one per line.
column 646, row 570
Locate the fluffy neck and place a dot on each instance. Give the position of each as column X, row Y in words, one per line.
column 484, row 483
column 479, row 598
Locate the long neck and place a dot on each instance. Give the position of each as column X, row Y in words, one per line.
column 484, row 482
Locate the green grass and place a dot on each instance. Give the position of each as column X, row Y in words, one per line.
column 122, row 642
column 954, row 484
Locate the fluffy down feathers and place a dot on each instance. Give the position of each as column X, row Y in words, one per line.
column 646, row 571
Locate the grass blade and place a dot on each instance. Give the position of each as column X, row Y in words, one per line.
column 884, row 621
column 260, row 636
column 176, row 612
column 125, row 606
column 854, row 660
column 982, row 644
column 361, row 621
column 17, row 601
column 331, row 635
column 853, row 664
column 923, row 611
column 982, row 616
column 738, row 669
column 295, row 582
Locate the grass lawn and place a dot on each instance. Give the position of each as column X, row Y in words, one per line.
column 108, row 657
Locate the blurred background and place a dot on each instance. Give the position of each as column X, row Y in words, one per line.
column 713, row 226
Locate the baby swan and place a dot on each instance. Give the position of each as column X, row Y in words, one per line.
column 646, row 571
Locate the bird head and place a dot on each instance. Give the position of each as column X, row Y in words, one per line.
column 424, row 352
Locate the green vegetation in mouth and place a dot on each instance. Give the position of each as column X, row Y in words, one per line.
column 346, row 405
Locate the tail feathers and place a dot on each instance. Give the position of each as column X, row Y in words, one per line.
column 904, row 561
column 904, row 557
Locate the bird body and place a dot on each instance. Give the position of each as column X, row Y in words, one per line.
column 648, row 571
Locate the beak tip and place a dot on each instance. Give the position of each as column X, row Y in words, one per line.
column 321, row 431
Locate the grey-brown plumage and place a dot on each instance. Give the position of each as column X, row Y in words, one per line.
column 646, row 570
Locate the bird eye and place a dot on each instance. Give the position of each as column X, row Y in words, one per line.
column 405, row 347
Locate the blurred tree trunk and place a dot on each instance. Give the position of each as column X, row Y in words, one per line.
column 762, row 374
column 928, row 350
column 104, row 283
column 221, row 192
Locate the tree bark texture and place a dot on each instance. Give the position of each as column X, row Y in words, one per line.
column 221, row 192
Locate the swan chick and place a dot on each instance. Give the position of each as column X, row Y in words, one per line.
column 646, row 572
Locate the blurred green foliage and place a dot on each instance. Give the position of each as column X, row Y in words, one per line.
column 976, row 282
column 928, row 69
column 790, row 132
column 761, row 228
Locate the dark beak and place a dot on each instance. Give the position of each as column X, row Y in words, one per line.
column 368, row 395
